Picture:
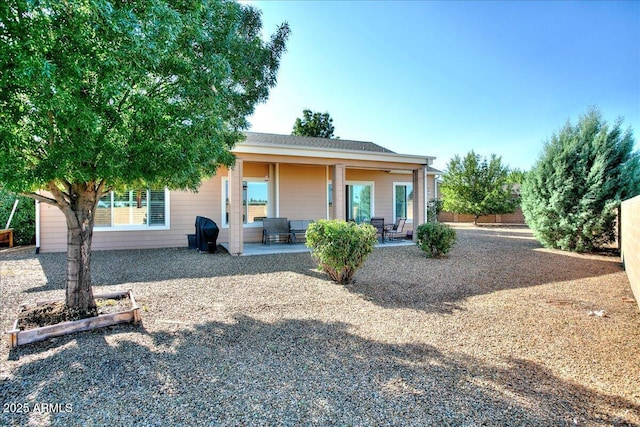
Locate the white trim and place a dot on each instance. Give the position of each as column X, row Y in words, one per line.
column 276, row 184
column 331, row 153
column 223, row 205
column 166, row 226
column 426, row 196
column 37, row 226
column 372, row 196
column 101, row 229
column 224, row 196
column 393, row 200
column 327, row 181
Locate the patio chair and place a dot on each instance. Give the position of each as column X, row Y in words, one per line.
column 298, row 228
column 378, row 223
column 393, row 230
column 275, row 229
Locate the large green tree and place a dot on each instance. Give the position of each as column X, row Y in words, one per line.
column 477, row 186
column 313, row 124
column 98, row 95
column 569, row 198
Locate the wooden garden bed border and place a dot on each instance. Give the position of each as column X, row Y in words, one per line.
column 18, row 337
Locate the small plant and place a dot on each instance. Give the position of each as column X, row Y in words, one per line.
column 106, row 302
column 435, row 239
column 340, row 247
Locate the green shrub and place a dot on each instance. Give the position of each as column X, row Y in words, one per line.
column 434, row 207
column 435, row 239
column 340, row 247
column 570, row 196
column 24, row 220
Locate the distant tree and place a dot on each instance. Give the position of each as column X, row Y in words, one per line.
column 569, row 198
column 314, row 124
column 476, row 186
column 98, row 95
column 515, row 179
column 516, row 176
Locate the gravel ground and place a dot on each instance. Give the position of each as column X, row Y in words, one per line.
column 501, row 332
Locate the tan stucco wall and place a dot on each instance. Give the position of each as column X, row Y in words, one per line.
column 301, row 192
column 184, row 207
column 630, row 232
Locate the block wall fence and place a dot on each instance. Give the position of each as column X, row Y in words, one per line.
column 630, row 242
column 513, row 218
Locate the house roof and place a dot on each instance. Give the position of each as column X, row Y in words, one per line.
column 302, row 146
column 312, row 142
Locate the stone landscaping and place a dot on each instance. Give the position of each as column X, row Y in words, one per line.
column 499, row 332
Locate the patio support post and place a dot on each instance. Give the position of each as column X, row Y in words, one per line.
column 235, row 209
column 339, row 202
column 419, row 196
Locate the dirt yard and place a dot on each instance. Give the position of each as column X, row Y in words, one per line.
column 501, row 332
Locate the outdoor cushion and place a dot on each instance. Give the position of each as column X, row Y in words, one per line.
column 299, row 228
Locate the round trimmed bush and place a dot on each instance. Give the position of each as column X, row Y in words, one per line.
column 340, row 247
column 435, row 239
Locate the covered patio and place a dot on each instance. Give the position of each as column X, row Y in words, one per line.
column 302, row 178
column 251, row 249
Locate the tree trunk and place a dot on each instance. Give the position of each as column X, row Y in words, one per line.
column 78, row 204
column 79, row 295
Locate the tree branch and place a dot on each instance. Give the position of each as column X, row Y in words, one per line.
column 101, row 189
column 41, row 198
column 122, row 101
column 58, row 195
column 69, row 191
column 51, row 123
column 162, row 84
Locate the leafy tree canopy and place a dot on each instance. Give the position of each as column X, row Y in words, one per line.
column 570, row 196
column 314, row 124
column 473, row 185
column 98, row 94
column 147, row 92
column 516, row 176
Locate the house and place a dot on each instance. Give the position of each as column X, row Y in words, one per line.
column 274, row 176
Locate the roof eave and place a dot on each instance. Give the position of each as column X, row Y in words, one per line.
column 331, row 153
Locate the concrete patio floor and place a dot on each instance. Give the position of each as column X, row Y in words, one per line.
column 251, row 249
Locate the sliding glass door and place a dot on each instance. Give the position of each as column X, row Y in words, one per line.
column 359, row 202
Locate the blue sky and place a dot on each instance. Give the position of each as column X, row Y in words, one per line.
column 443, row 78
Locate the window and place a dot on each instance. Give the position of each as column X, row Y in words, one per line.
column 359, row 202
column 403, row 201
column 134, row 209
column 255, row 201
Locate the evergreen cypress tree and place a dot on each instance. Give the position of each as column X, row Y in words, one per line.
column 569, row 198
